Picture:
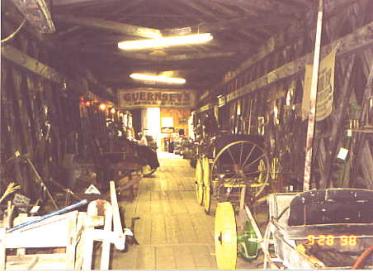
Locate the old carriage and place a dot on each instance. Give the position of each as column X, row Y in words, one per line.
column 230, row 168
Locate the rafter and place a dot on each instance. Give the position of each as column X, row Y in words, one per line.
column 69, row 3
column 280, row 40
column 199, row 8
column 27, row 62
column 251, row 23
column 37, row 14
column 218, row 7
column 269, row 7
column 110, row 26
column 176, row 57
column 361, row 38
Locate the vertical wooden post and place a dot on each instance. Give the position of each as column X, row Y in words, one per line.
column 106, row 244
column 88, row 250
column 313, row 96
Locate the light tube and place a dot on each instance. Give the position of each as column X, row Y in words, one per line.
column 166, row 42
column 157, row 78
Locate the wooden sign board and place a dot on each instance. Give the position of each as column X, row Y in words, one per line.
column 325, row 88
column 149, row 97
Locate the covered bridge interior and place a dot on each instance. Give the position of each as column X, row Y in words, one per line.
column 82, row 105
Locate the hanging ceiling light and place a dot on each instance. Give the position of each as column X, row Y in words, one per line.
column 157, row 78
column 170, row 41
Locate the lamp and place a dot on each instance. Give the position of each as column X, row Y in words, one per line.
column 170, row 41
column 157, row 78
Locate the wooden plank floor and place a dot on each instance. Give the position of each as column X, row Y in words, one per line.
column 173, row 231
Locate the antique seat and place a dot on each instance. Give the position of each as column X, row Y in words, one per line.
column 331, row 206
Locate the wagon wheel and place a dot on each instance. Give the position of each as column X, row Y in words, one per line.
column 199, row 181
column 236, row 236
column 240, row 162
column 206, row 184
column 225, row 237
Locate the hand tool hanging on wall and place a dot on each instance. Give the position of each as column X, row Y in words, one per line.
column 27, row 159
column 40, row 180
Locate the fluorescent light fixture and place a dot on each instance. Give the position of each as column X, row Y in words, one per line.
column 157, row 78
column 192, row 39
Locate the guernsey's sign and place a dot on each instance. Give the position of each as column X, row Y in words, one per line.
column 149, row 97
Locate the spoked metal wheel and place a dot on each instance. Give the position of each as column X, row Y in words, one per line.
column 206, row 184
column 199, row 181
column 225, row 237
column 240, row 163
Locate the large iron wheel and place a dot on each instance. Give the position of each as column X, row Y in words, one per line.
column 238, row 163
column 225, row 235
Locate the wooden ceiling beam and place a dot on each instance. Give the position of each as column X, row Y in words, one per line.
column 251, row 23
column 81, row 6
column 279, row 6
column 125, row 7
column 31, row 64
column 37, row 14
column 218, row 7
column 360, row 39
column 177, row 57
column 96, row 4
column 293, row 5
column 110, row 26
column 119, row 65
column 193, row 80
column 301, row 3
column 198, row 7
column 280, row 40
column 258, row 21
column 181, row 70
column 158, row 58
column 58, row 3
column 268, row 7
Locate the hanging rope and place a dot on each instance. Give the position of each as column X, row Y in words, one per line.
column 11, row 36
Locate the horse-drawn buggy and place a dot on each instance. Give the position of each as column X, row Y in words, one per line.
column 317, row 229
column 232, row 168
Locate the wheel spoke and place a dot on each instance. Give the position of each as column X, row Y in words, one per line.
column 253, row 172
column 230, row 153
column 241, row 152
column 251, row 163
column 247, row 158
column 246, row 155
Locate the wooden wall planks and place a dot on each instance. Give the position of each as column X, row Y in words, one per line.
column 268, row 71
